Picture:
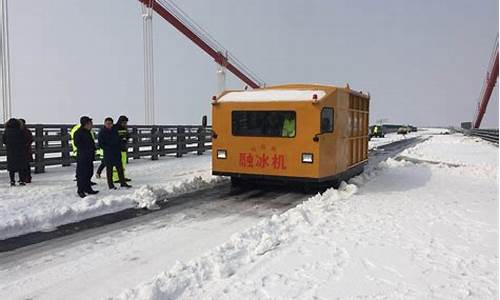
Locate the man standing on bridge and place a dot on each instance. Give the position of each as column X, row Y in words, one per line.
column 85, row 156
column 109, row 140
column 121, row 128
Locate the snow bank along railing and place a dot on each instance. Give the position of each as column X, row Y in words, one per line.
column 52, row 144
column 490, row 135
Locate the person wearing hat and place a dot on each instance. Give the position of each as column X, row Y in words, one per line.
column 121, row 128
column 85, row 156
column 74, row 150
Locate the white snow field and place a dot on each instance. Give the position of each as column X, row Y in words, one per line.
column 394, row 137
column 403, row 230
column 51, row 199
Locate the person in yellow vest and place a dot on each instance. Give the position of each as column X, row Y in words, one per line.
column 288, row 126
column 71, row 136
column 74, row 149
column 121, row 127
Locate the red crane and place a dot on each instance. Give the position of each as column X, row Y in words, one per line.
column 182, row 22
column 489, row 84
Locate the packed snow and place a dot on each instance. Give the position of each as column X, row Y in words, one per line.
column 422, row 225
column 376, row 142
column 99, row 262
column 412, row 230
column 271, row 95
column 51, row 200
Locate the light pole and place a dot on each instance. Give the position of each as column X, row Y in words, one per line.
column 149, row 102
column 5, row 62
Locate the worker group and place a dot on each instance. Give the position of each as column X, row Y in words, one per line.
column 112, row 142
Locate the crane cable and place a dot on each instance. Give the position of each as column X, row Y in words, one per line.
column 199, row 31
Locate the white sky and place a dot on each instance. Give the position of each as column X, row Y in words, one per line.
column 423, row 62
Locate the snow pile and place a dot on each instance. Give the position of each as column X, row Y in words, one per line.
column 476, row 154
column 272, row 95
column 51, row 199
column 243, row 248
column 147, row 196
column 412, row 230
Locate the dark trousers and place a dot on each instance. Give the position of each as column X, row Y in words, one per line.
column 27, row 173
column 12, row 175
column 109, row 174
column 100, row 168
column 84, row 172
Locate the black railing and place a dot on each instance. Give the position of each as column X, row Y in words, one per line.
column 490, row 135
column 52, row 144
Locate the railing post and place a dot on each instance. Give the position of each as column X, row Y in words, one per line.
column 65, row 155
column 181, row 141
column 135, row 143
column 201, row 140
column 39, row 155
column 161, row 142
column 154, row 143
column 208, row 138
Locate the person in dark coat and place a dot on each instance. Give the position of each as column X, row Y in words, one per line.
column 110, row 142
column 121, row 128
column 14, row 140
column 29, row 153
column 85, row 156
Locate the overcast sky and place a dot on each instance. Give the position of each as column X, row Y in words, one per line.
column 423, row 62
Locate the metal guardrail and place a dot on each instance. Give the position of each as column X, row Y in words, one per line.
column 490, row 135
column 51, row 145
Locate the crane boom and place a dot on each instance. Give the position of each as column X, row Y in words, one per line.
column 489, row 84
column 196, row 37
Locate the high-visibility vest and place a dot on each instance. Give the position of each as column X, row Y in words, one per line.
column 289, row 128
column 74, row 149
column 375, row 129
column 71, row 135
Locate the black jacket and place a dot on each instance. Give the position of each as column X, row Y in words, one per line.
column 110, row 143
column 15, row 141
column 123, row 133
column 85, row 144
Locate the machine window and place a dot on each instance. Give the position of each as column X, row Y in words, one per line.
column 327, row 120
column 264, row 123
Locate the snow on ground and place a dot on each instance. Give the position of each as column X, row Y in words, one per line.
column 99, row 262
column 404, row 230
column 51, row 199
column 375, row 142
column 471, row 152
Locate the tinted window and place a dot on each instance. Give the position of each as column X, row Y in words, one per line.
column 264, row 123
column 327, row 120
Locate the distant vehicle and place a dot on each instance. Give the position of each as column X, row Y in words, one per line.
column 404, row 130
column 377, row 131
column 413, row 128
column 290, row 133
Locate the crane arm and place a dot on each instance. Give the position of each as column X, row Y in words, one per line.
column 217, row 54
column 489, row 84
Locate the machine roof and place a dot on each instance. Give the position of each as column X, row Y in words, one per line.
column 271, row 95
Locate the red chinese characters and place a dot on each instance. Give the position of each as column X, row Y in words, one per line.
column 262, row 161
column 278, row 161
column 246, row 160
